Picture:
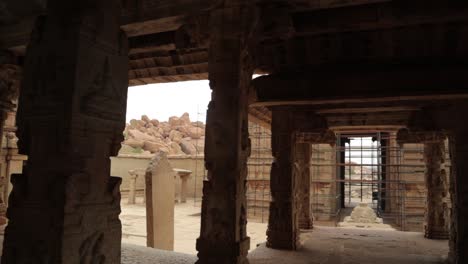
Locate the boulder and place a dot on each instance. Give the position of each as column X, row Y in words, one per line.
column 175, row 136
column 175, row 149
column 188, row 148
column 146, row 119
column 154, row 146
column 198, row 124
column 134, row 143
column 185, row 119
column 174, row 121
column 134, row 123
column 139, row 135
column 195, row 132
column 155, row 122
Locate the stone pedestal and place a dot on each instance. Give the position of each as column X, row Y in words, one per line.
column 160, row 191
column 223, row 236
column 65, row 207
column 282, row 230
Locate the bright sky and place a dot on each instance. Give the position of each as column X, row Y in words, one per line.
column 161, row 101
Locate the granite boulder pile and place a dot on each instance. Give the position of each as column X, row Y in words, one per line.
column 177, row 136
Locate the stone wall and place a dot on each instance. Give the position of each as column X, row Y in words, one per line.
column 122, row 164
column 325, row 195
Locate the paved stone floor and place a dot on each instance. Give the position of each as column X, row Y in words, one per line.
column 186, row 226
column 323, row 245
column 331, row 245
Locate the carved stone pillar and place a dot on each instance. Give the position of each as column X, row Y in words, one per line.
column 437, row 191
column 9, row 91
column 223, row 237
column 303, row 148
column 282, row 230
column 65, row 207
column 459, row 193
column 435, row 226
column 302, row 175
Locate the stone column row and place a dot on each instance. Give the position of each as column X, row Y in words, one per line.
column 65, row 206
column 290, row 174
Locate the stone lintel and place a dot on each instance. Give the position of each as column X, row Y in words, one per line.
column 323, row 136
column 406, row 136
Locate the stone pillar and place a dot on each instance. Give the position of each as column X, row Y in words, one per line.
column 459, row 190
column 223, row 237
column 437, row 191
column 282, row 230
column 183, row 175
column 65, row 206
column 160, row 192
column 302, row 175
column 133, row 176
column 9, row 91
column 435, row 226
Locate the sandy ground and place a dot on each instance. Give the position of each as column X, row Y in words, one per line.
column 186, row 226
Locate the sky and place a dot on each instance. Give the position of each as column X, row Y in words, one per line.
column 161, row 101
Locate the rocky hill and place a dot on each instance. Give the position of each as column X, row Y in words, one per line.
column 177, row 136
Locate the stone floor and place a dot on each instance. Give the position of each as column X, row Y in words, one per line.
column 186, row 226
column 324, row 245
column 331, row 245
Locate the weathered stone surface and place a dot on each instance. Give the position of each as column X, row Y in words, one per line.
column 160, row 192
column 195, row 132
column 176, row 136
column 188, row 148
column 283, row 229
column 64, row 208
column 134, row 143
column 152, row 135
column 363, row 214
column 155, row 146
column 223, row 237
column 301, row 171
column 436, row 226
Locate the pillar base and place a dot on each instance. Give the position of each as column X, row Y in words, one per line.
column 306, row 224
column 282, row 240
column 216, row 252
column 436, row 233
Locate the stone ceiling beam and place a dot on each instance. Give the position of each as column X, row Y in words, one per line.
column 378, row 15
column 425, row 82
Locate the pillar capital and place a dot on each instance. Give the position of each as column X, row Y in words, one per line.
column 320, row 136
column 10, row 76
column 406, row 136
